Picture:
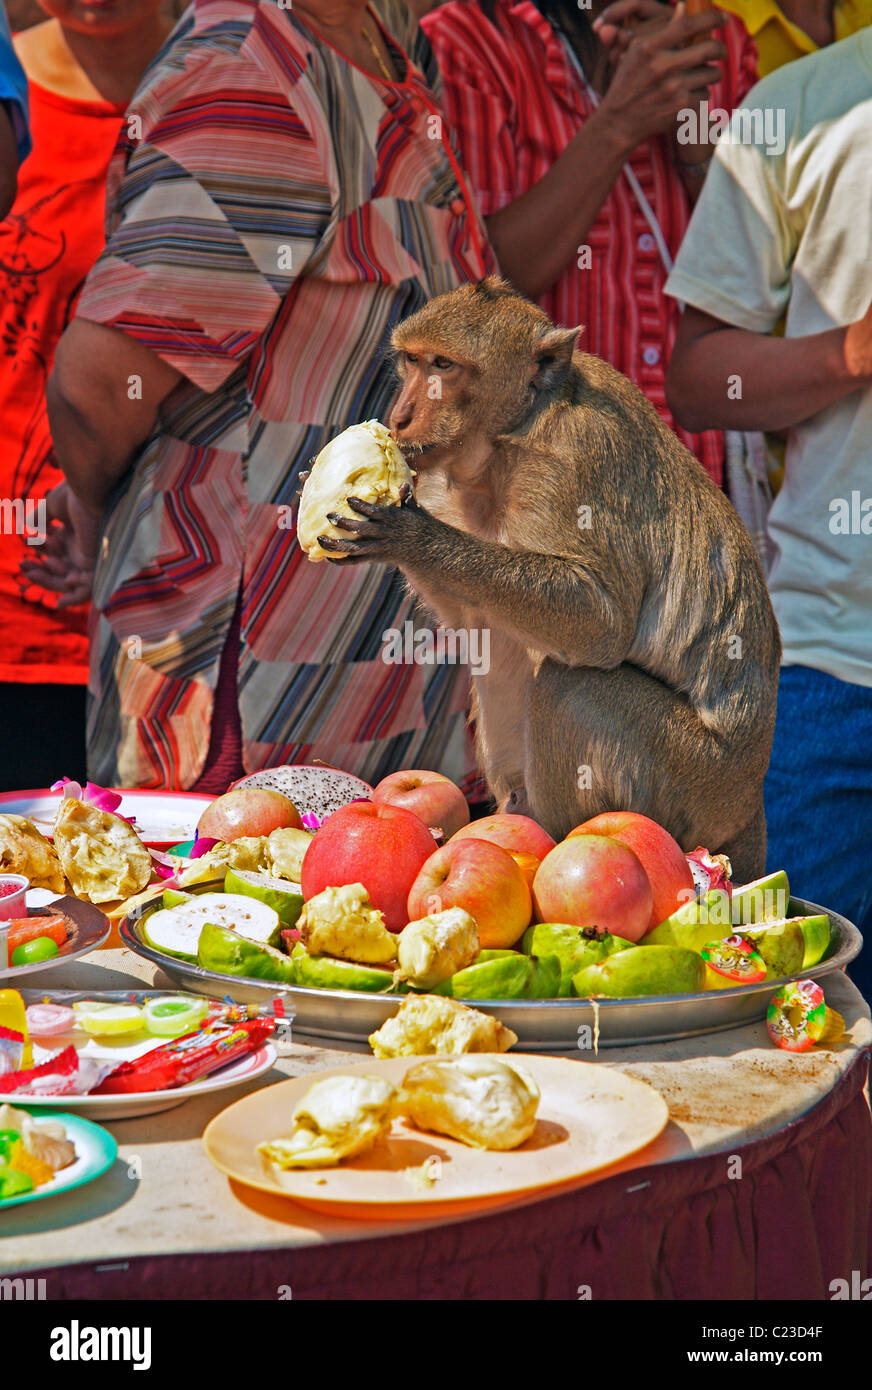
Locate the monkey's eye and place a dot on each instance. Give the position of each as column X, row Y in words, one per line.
column 442, row 364
column 410, row 359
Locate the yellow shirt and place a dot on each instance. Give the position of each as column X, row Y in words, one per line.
column 779, row 40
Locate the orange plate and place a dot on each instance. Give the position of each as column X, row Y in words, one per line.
column 590, row 1117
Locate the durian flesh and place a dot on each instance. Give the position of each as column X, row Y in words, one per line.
column 339, row 1117
column 428, row 1024
column 342, row 922
column 363, row 462
column 435, row 948
column 101, row 854
column 480, row 1100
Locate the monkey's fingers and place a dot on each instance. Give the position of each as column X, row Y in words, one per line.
column 370, row 509
column 346, row 523
column 407, row 496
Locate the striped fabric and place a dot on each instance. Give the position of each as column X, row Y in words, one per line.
column 279, row 211
column 515, row 101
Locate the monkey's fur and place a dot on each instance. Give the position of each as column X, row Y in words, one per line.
column 634, row 659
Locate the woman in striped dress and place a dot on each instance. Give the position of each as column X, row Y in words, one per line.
column 284, row 193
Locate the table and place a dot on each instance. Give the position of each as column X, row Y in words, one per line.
column 760, row 1187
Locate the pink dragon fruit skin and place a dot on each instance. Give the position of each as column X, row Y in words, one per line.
column 710, row 871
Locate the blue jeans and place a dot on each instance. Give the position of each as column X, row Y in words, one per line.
column 819, row 798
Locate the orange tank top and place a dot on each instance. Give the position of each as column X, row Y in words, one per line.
column 48, row 243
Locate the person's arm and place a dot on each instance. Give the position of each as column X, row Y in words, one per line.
column 538, row 234
column 783, row 380
column 103, row 398
column 8, row 163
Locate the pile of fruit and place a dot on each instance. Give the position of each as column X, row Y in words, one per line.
column 372, row 901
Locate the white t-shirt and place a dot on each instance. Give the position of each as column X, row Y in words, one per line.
column 793, row 230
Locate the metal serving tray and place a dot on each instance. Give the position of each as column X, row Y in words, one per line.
column 542, row 1025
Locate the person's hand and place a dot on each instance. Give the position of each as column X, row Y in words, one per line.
column 64, row 564
column 663, row 62
column 858, row 348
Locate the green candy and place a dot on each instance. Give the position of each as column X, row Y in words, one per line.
column 32, row 952
column 14, row 1184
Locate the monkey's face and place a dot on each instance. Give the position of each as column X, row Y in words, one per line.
column 472, row 363
column 433, row 412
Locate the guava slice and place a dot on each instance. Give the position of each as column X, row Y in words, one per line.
column 781, row 944
column 645, row 970
column 276, row 893
column 571, row 946
column 328, row 972
column 764, row 899
column 505, row 977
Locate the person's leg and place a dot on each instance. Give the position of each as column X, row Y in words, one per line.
column 43, row 734
column 818, row 797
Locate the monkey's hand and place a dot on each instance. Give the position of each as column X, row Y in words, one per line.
column 387, row 534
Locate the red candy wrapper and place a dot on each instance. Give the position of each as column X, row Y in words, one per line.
column 55, row 1070
column 187, row 1058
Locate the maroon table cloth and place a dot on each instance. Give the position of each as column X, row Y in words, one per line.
column 798, row 1218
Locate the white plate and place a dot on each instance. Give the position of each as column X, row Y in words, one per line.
column 150, row 1102
column 162, row 818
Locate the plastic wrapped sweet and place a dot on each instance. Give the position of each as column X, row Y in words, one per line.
column 23, row 850
column 427, row 1025
column 434, row 948
column 480, row 1100
column 363, row 461
column 101, row 853
column 337, row 1118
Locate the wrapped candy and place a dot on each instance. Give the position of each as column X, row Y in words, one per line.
column 798, row 1018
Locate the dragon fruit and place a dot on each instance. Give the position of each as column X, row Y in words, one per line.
column 709, row 871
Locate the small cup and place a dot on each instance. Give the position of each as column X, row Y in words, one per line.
column 12, row 900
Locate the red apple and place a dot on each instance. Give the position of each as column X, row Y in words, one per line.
column 594, row 881
column 382, row 847
column 248, row 811
column 480, row 877
column 433, row 798
column 517, row 834
column 661, row 857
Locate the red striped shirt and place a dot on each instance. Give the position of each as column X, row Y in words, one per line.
column 515, row 102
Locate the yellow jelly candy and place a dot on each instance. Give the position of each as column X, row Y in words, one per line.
column 102, row 1019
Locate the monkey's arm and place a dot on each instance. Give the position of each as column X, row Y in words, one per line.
column 567, row 607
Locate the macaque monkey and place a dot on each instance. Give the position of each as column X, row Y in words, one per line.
column 634, row 650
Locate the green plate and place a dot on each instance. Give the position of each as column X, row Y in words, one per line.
column 96, row 1150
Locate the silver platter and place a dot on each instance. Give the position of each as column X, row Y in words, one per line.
column 542, row 1025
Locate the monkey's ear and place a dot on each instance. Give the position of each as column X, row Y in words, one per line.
column 552, row 357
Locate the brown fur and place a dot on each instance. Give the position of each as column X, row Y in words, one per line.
column 612, row 648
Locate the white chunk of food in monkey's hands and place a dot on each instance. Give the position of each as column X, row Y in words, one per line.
column 337, row 1118
column 342, row 922
column 436, row 947
column 480, row 1100
column 364, row 462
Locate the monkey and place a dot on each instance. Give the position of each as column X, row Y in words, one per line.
column 634, row 649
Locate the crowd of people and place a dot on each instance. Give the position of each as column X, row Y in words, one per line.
column 281, row 186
